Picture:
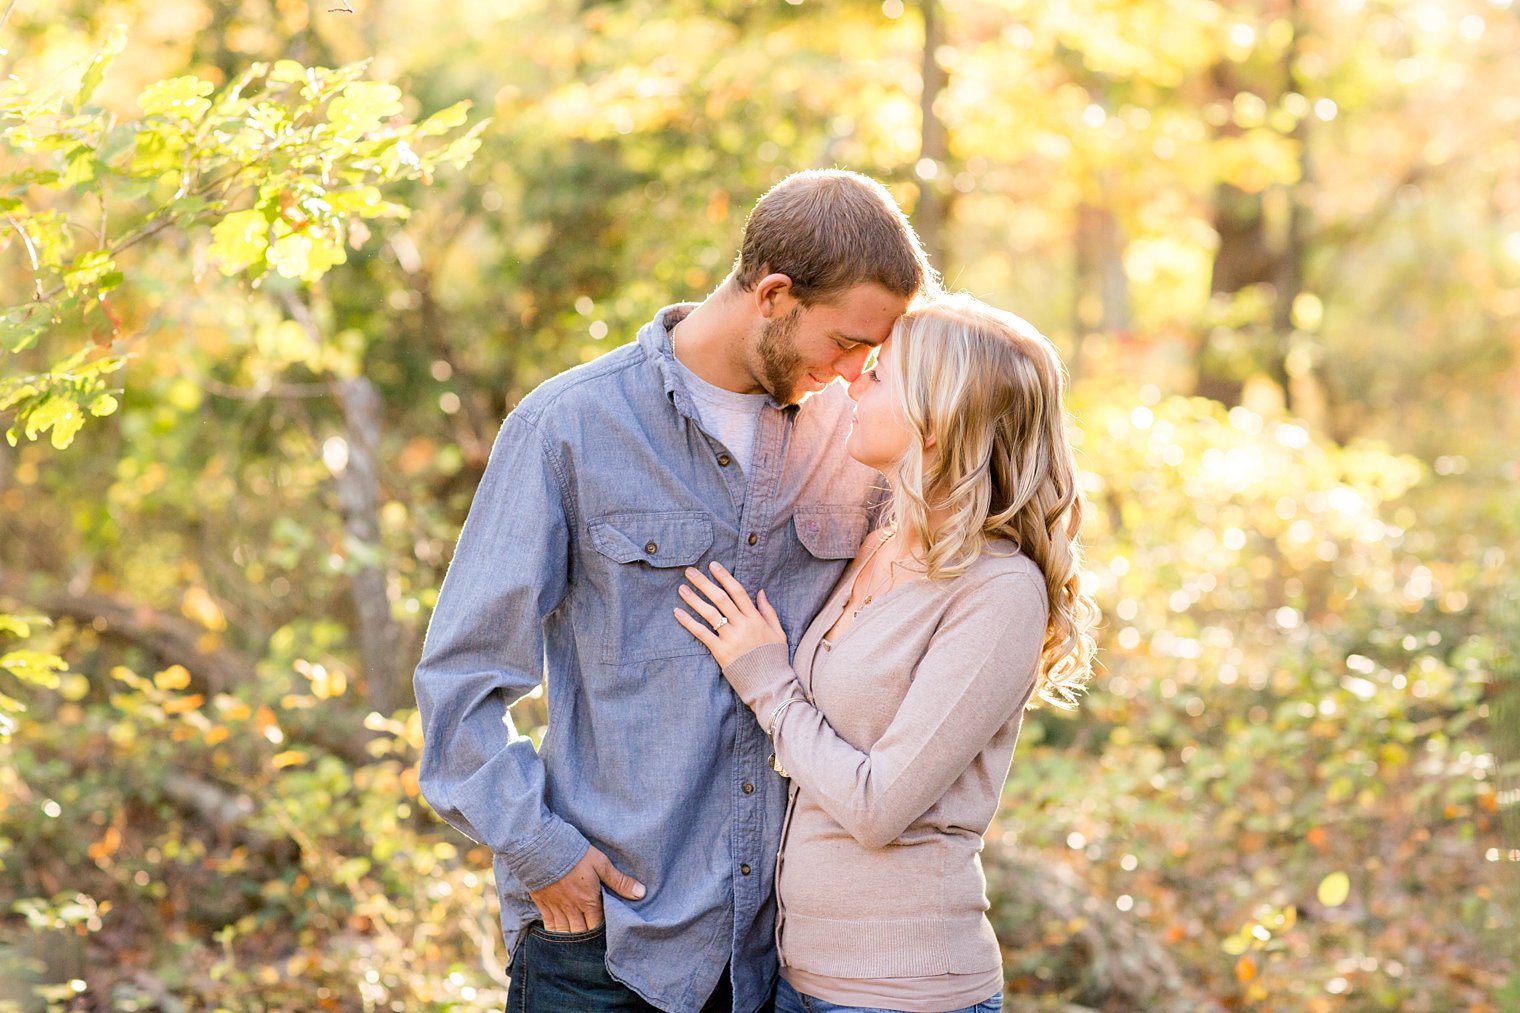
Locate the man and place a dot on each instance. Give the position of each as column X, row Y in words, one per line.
column 717, row 435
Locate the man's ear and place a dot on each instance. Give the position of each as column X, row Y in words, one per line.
column 773, row 295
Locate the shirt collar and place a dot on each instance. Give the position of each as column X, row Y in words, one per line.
column 654, row 338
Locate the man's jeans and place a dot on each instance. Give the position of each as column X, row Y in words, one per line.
column 789, row 1000
column 566, row 972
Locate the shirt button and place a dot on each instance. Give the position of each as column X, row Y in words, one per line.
column 744, row 869
column 724, row 460
column 753, row 538
column 748, row 789
column 651, row 548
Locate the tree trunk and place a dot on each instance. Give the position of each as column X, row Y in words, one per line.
column 934, row 188
column 381, row 657
column 1242, row 259
column 1247, row 256
column 1101, row 294
column 359, row 496
column 1288, row 279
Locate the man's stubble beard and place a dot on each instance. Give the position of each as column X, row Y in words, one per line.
column 780, row 364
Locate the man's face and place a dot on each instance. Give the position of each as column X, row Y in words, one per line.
column 801, row 349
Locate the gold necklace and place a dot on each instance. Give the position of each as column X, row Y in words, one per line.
column 871, row 592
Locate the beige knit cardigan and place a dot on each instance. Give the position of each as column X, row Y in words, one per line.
column 898, row 750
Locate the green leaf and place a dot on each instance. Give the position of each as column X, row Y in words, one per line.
column 290, row 255
column 351, row 870
column 66, row 427
column 327, row 251
column 58, row 414
column 188, row 207
column 104, row 405
column 20, row 328
column 444, row 120
column 239, row 240
column 365, row 202
column 156, row 152
column 183, row 97
column 115, row 141
column 462, row 149
column 34, row 177
column 21, row 625
column 287, row 72
column 35, row 667
column 114, row 44
column 81, row 167
column 87, row 269
column 361, row 107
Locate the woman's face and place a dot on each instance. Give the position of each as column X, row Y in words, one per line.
column 879, row 434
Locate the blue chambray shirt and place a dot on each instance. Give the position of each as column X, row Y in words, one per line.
column 602, row 486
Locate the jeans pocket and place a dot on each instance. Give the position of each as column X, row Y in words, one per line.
column 538, row 931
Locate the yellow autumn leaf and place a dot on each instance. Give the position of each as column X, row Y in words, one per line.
column 198, row 605
column 233, row 708
column 1334, row 889
column 173, row 677
column 184, row 704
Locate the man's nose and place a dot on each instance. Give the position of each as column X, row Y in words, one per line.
column 850, row 364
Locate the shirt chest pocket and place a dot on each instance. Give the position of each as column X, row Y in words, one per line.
column 831, row 531
column 636, row 566
column 825, row 537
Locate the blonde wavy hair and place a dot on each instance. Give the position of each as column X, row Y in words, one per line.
column 985, row 391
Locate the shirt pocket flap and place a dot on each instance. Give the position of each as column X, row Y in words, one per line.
column 664, row 538
column 831, row 531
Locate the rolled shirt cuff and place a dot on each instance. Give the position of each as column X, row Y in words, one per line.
column 547, row 858
column 763, row 678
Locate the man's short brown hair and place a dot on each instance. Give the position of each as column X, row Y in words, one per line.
column 829, row 230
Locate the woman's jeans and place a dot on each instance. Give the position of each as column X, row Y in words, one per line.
column 789, row 1000
column 566, row 972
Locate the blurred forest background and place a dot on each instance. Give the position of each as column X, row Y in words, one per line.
column 259, row 322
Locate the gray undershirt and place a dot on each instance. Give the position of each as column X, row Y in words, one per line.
column 733, row 418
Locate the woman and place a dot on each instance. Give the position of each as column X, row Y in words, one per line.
column 898, row 734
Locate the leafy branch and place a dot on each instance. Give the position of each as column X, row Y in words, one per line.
column 275, row 167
